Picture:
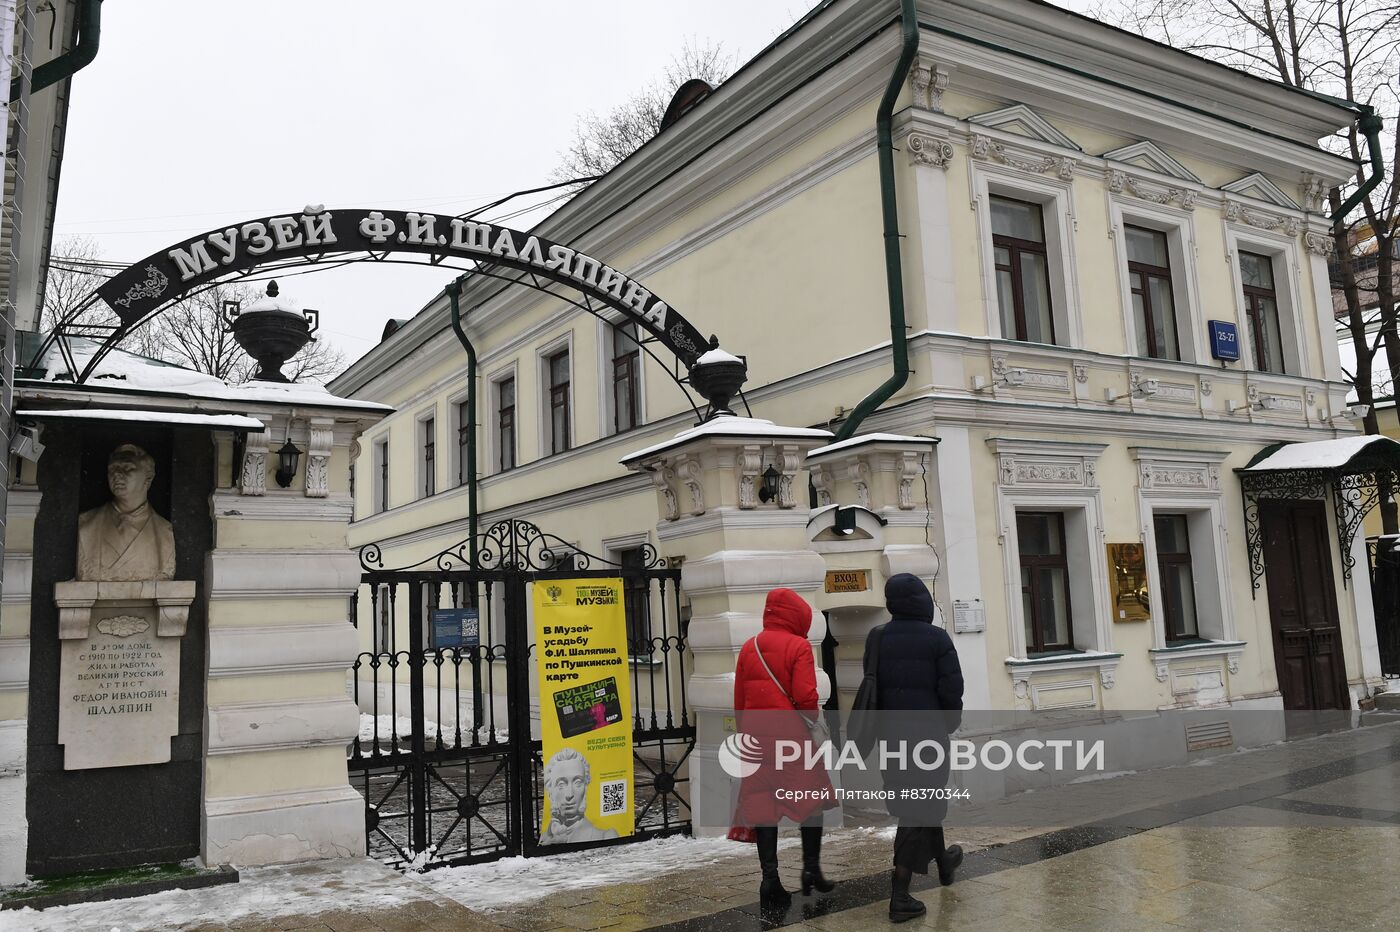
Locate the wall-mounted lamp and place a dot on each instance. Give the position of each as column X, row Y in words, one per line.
column 1262, row 403
column 1145, row 388
column 26, row 444
column 1012, row 377
column 768, row 489
column 287, row 459
column 845, row 521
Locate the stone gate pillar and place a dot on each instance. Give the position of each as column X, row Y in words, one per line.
column 734, row 507
column 876, row 495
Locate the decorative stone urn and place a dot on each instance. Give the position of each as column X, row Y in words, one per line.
column 718, row 376
column 272, row 330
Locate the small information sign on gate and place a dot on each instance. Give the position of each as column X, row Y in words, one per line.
column 456, row 627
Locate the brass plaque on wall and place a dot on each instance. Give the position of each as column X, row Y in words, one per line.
column 1127, row 582
column 847, row 580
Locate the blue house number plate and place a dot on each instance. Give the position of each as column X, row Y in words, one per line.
column 1224, row 340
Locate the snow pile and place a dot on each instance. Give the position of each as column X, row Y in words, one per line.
column 390, row 727
column 717, row 355
column 511, row 881
column 357, row 886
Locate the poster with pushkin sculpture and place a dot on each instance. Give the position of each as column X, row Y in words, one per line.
column 585, row 709
column 120, row 621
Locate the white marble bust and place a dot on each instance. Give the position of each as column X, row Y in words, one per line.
column 125, row 539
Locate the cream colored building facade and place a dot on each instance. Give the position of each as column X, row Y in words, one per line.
column 757, row 215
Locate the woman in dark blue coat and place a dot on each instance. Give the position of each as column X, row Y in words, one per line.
column 919, row 685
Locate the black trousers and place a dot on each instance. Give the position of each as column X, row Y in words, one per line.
column 916, row 846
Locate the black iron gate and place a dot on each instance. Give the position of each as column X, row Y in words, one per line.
column 448, row 754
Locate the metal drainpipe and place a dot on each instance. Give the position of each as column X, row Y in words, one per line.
column 454, row 291
column 1370, row 126
column 889, row 204
column 77, row 58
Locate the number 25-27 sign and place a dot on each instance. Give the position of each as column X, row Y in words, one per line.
column 1224, row 340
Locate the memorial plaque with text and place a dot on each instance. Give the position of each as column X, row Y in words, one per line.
column 119, row 692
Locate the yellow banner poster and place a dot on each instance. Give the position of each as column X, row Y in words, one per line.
column 585, row 710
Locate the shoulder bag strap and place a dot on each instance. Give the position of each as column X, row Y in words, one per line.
column 786, row 694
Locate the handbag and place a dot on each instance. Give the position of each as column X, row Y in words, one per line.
column 861, row 726
column 816, row 727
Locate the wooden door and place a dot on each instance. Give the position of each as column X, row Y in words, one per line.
column 1303, row 605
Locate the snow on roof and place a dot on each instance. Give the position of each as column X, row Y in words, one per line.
column 869, row 438
column 728, row 425
column 1319, row 454
column 224, row 421
column 127, row 371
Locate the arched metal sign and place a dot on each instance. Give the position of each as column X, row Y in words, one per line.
column 146, row 288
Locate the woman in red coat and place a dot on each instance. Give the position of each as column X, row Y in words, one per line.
column 795, row 791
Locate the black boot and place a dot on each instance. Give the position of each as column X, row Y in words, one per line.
column 771, row 894
column 812, row 862
column 903, row 907
column 948, row 862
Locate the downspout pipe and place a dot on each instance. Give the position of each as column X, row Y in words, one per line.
column 77, row 58
column 1369, row 124
column 454, row 293
column 889, row 205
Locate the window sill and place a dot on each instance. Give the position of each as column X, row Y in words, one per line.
column 1231, row 651
column 1023, row 668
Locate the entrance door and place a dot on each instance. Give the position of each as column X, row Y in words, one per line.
column 1303, row 605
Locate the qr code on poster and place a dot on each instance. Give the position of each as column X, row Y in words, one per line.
column 614, row 797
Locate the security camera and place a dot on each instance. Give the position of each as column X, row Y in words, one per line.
column 1015, row 376
column 1148, row 387
column 1356, row 412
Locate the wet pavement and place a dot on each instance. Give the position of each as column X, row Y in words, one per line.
column 1303, row 835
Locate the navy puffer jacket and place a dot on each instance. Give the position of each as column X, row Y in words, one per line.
column 920, row 689
column 919, row 667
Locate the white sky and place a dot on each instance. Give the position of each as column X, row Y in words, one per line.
column 198, row 114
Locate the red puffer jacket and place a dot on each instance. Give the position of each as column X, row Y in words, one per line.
column 786, row 620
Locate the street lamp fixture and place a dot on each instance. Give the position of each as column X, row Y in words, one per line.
column 768, row 490
column 287, row 459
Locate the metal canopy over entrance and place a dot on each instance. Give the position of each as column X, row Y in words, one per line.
column 317, row 235
column 1355, row 470
column 449, row 759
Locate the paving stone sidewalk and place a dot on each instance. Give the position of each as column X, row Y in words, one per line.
column 1284, row 837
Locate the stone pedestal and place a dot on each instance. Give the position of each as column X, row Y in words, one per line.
column 736, row 542
column 119, row 680
column 883, row 484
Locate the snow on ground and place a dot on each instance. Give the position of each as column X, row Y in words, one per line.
column 388, row 726
column 511, row 881
column 264, row 893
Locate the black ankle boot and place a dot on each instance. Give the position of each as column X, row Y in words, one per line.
column 812, row 862
column 771, row 894
column 903, row 907
column 948, row 862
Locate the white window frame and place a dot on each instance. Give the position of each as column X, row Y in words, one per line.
column 1283, row 250
column 382, row 473
column 1056, row 199
column 420, row 421
column 606, row 400
column 1187, row 482
column 1080, row 501
column 1180, row 228
column 493, row 417
column 542, row 354
column 454, row 465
